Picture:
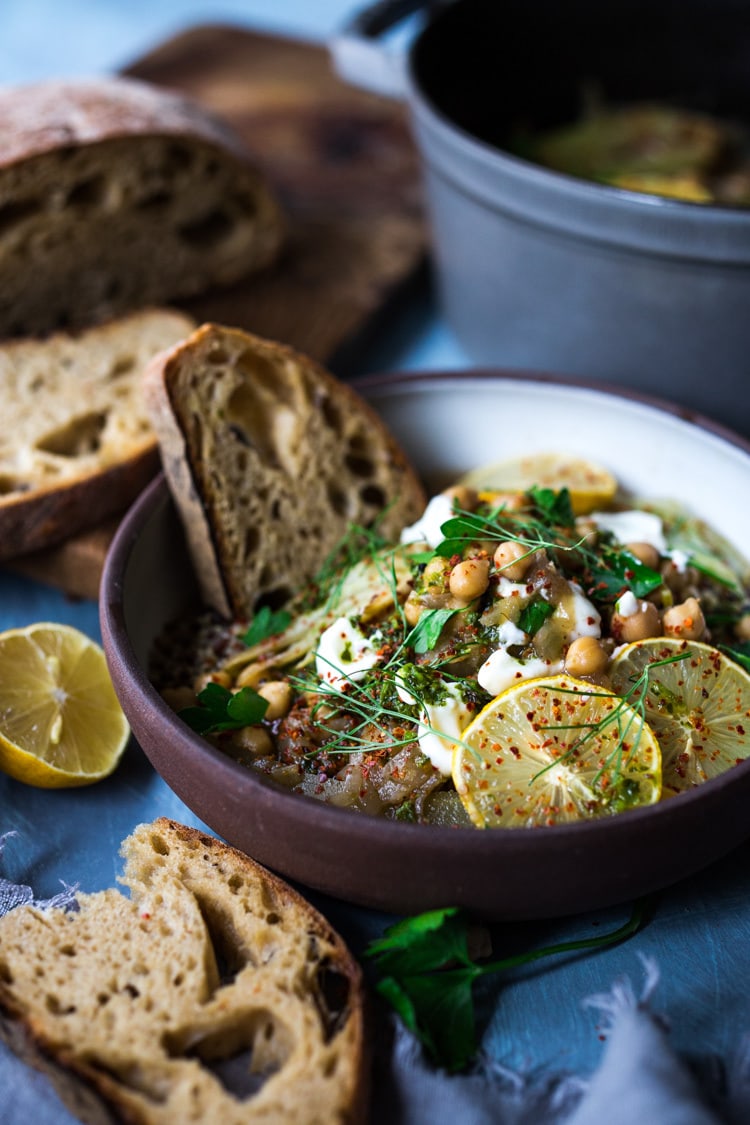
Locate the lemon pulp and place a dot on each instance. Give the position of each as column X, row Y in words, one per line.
column 698, row 706
column 554, row 750
column 60, row 721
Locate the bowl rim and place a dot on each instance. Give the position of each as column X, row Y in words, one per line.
column 317, row 814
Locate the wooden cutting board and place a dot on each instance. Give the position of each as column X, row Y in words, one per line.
column 345, row 168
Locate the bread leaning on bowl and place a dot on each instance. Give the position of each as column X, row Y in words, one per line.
column 114, row 195
column 270, row 460
column 215, row 993
column 76, row 443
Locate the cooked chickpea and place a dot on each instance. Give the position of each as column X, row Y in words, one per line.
column 586, row 656
column 645, row 553
column 685, row 621
column 179, row 697
column 221, row 678
column 645, row 622
column 253, row 740
column 742, row 628
column 413, row 609
column 278, row 694
column 512, row 560
column 470, row 578
column 463, row 499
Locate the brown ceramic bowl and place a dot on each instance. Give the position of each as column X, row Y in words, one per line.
column 448, row 423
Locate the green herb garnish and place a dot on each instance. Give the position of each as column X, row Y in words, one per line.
column 533, row 616
column 427, row 975
column 426, row 633
column 612, row 572
column 266, row 623
column 553, row 506
column 220, row 709
column 356, row 544
column 464, row 529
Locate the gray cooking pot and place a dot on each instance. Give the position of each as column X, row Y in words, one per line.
column 538, row 269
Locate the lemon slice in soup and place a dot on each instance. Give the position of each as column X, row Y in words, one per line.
column 555, row 750
column 696, row 700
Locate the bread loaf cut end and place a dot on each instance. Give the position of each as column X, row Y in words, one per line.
column 115, row 195
column 270, row 460
column 76, row 443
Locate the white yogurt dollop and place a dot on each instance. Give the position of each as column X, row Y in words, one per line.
column 344, row 653
column 501, row 670
column 439, row 725
column 427, row 528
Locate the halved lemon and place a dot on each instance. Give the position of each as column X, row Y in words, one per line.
column 590, row 485
column 554, row 750
column 60, row 721
column 698, row 706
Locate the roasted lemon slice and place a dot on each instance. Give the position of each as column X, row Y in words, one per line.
column 590, row 485
column 60, row 722
column 696, row 700
column 554, row 750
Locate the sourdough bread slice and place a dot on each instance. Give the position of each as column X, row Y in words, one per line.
column 76, row 443
column 215, row 993
column 270, row 459
column 116, row 195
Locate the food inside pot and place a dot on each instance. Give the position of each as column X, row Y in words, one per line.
column 538, row 648
column 651, row 148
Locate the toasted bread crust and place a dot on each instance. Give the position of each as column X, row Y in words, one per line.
column 211, row 957
column 44, row 117
column 270, row 460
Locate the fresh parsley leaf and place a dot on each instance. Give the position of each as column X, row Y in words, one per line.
column 419, row 558
column 427, row 975
column 461, row 530
column 266, row 623
column 420, row 943
column 552, row 506
column 443, row 1017
column 426, row 633
column 534, row 615
column 220, row 709
column 616, row 571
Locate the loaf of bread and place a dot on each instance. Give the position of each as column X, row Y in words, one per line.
column 114, row 195
column 213, row 994
column 76, row 443
column 270, row 460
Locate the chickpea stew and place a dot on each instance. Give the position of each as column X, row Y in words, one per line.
column 508, row 663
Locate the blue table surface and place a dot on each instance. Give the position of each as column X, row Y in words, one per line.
column 700, row 932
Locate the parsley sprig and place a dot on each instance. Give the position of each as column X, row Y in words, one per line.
column 220, row 709
column 427, row 974
column 266, row 623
